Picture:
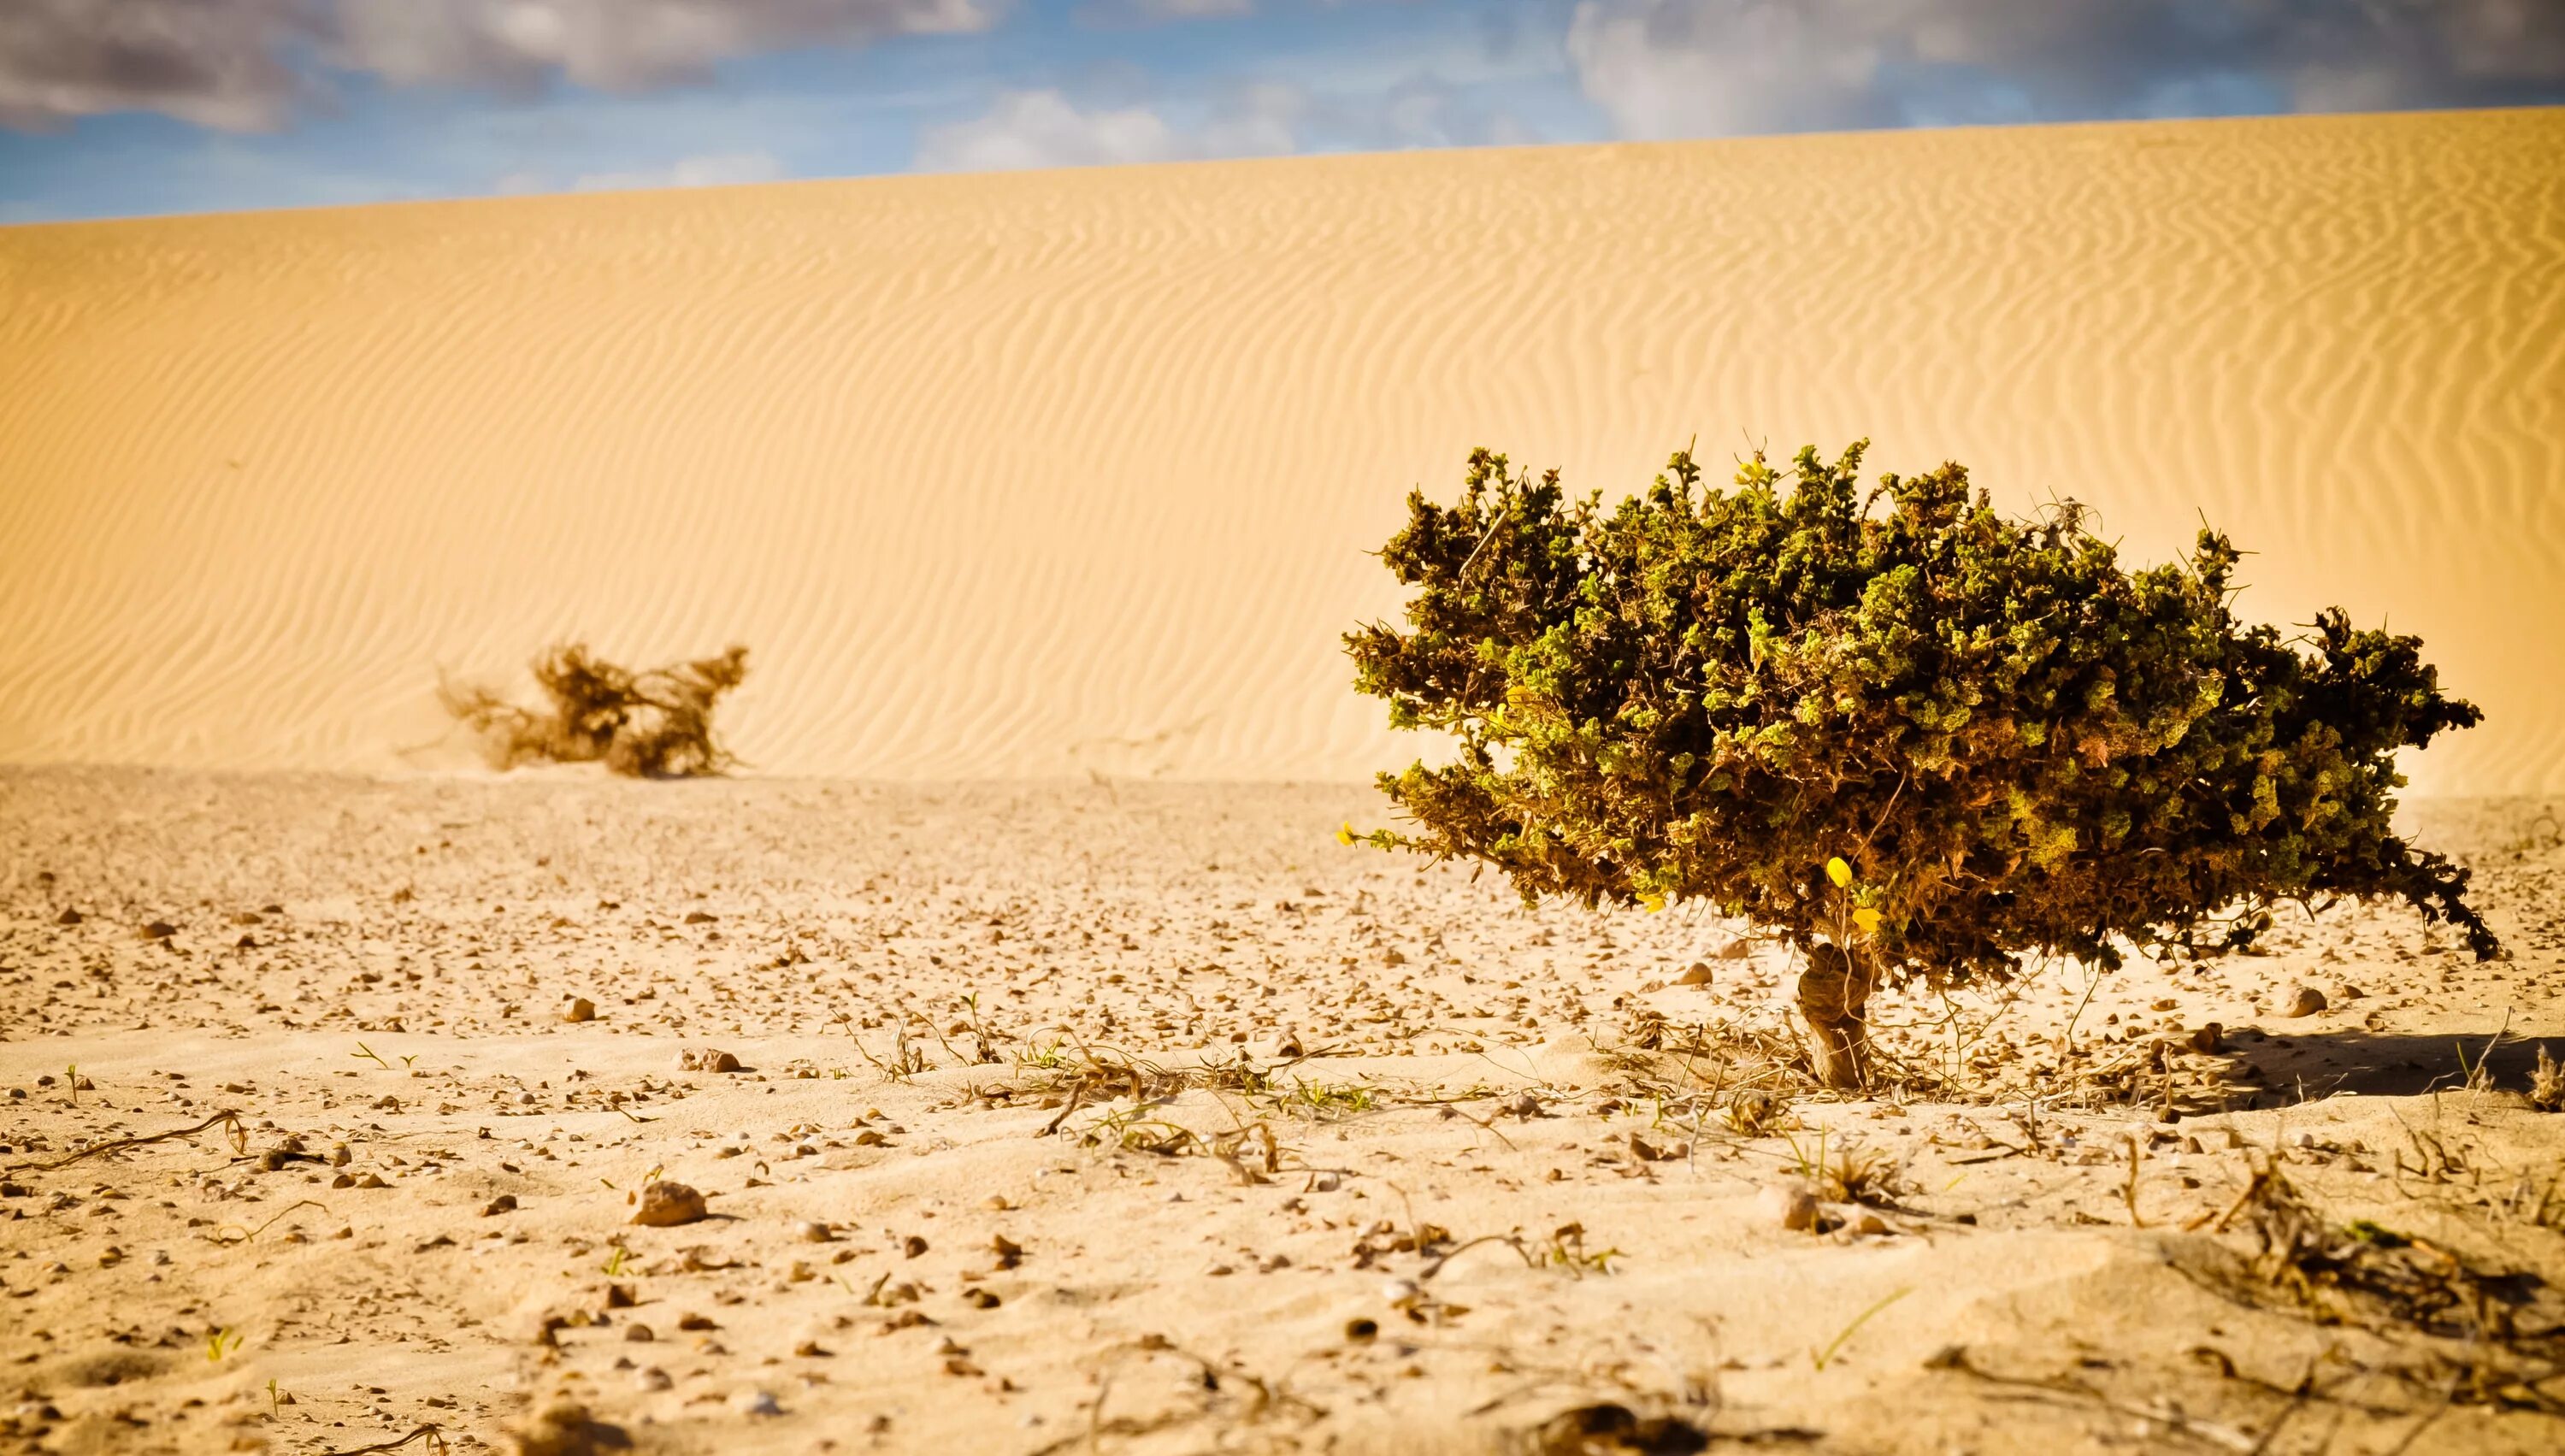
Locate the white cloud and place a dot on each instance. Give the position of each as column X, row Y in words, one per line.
column 1045, row 128
column 1263, row 120
column 1676, row 67
column 1189, row 9
column 1042, row 128
column 715, row 169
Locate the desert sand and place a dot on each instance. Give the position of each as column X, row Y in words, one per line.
column 1028, row 475
column 993, row 1171
column 1050, row 1076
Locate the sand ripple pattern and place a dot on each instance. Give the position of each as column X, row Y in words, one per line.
column 1038, row 474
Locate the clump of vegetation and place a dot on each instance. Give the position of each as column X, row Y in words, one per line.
column 2365, row 1275
column 656, row 724
column 1909, row 734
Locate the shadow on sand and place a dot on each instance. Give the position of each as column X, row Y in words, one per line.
column 2306, row 1066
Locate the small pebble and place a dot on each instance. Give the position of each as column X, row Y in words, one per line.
column 1789, row 1206
column 666, row 1205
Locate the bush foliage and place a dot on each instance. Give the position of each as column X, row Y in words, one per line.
column 2013, row 745
column 656, row 724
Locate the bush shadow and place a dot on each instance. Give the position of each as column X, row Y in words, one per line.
column 2305, row 1066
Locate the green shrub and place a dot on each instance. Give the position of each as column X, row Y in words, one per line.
column 2001, row 742
column 656, row 724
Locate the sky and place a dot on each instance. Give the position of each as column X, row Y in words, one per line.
column 121, row 108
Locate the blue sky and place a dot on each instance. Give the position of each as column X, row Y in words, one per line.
column 111, row 108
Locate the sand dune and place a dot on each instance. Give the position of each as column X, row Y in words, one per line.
column 1032, row 474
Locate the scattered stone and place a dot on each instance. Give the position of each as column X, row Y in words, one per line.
column 69, row 918
column 157, row 930
column 2210, row 1037
column 706, row 1059
column 504, row 1203
column 2300, row 1001
column 692, row 1320
column 666, row 1205
column 1697, row 974
column 1735, row 950
column 651, row 1377
column 816, row 1232
column 1790, row 1206
column 756, row 1402
column 581, row 1009
column 564, row 1428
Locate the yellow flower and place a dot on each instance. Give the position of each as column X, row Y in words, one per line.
column 1839, row 872
column 1346, row 835
column 1868, row 920
column 1654, row 902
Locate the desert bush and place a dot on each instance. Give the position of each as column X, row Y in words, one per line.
column 656, row 724
column 1913, row 736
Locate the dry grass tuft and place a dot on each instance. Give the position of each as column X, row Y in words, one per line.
column 656, row 724
column 2547, row 1084
column 2496, row 1335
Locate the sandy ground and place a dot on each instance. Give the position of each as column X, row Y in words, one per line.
column 1019, row 476
column 994, row 1172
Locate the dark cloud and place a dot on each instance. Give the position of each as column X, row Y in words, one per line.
column 218, row 65
column 1675, row 68
column 245, row 64
column 1655, row 67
